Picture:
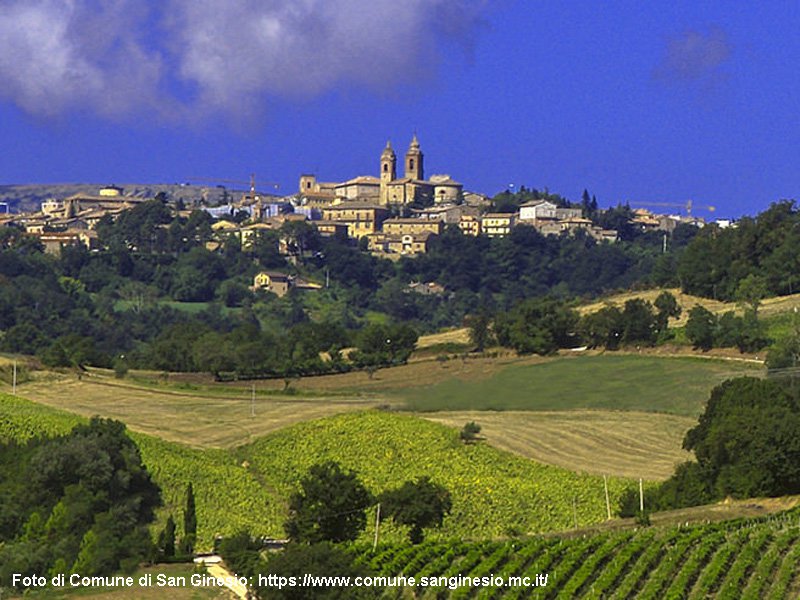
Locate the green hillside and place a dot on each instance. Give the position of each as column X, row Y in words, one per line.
column 228, row 498
column 677, row 386
column 494, row 493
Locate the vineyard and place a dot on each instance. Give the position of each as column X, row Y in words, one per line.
column 729, row 560
column 494, row 493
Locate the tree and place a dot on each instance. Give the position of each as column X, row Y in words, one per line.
column 330, row 506
column 639, row 322
column 480, row 334
column 700, row 327
column 87, row 501
column 747, row 440
column 785, row 353
column 189, row 522
column 214, row 353
column 752, row 334
column 667, row 307
column 750, row 291
column 537, row 325
column 469, row 433
column 166, row 539
column 603, row 328
column 379, row 345
column 420, row 504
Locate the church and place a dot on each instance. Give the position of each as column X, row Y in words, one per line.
column 388, row 188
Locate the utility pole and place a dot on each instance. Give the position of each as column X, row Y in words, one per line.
column 608, row 503
column 641, row 496
column 377, row 527
column 14, row 379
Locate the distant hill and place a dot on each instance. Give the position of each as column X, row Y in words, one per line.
column 28, row 197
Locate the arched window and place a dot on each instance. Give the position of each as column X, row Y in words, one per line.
column 385, row 168
column 411, row 164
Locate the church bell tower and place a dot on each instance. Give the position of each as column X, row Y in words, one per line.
column 388, row 171
column 414, row 161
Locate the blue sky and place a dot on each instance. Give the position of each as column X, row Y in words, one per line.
column 636, row 101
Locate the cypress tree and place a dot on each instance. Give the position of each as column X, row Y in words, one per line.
column 189, row 522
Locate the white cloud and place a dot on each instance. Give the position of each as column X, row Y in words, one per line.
column 695, row 57
column 195, row 58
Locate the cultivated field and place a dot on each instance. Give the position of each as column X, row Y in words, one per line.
column 197, row 419
column 624, row 444
column 607, row 439
column 678, row 386
column 735, row 560
column 494, row 493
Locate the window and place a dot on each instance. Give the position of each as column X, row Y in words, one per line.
column 411, row 164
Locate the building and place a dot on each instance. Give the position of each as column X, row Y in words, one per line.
column 335, row 229
column 387, row 188
column 398, row 226
column 271, row 281
column 425, row 289
column 449, row 213
column 537, row 209
column 361, row 218
column 470, row 225
column 55, row 241
column 400, row 244
column 498, row 224
column 280, row 283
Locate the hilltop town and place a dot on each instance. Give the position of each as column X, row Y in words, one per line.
column 392, row 214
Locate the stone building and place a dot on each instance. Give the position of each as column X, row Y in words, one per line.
column 387, row 188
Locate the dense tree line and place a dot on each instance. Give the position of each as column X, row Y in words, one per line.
column 746, row 444
column 114, row 307
column 545, row 325
column 767, row 247
column 78, row 503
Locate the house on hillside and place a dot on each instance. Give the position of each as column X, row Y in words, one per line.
column 280, row 283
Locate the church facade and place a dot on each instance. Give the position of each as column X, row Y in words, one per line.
column 388, row 188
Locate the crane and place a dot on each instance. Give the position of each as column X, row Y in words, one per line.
column 251, row 183
column 688, row 205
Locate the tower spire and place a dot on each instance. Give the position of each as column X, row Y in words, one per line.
column 414, row 168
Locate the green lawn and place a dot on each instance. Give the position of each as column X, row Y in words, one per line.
column 191, row 308
column 618, row 382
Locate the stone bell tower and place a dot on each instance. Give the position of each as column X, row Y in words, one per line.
column 388, row 171
column 414, row 168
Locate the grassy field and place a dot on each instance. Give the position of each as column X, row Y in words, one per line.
column 624, row 444
column 677, row 386
column 603, row 440
column 199, row 419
